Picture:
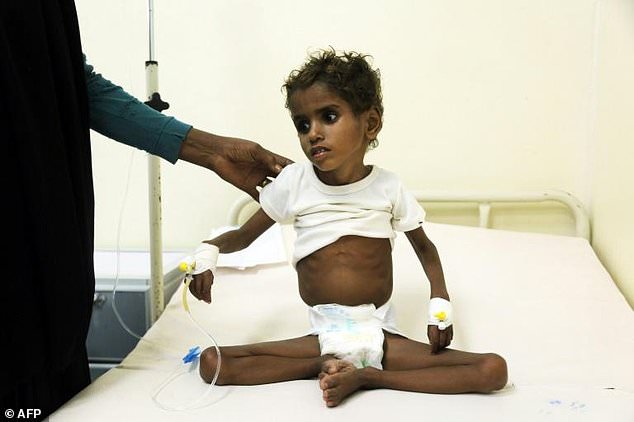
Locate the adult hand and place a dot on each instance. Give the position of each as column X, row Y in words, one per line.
column 244, row 164
column 439, row 339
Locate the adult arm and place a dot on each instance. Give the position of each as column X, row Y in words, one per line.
column 118, row 115
column 244, row 164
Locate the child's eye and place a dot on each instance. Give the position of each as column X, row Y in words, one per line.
column 330, row 116
column 302, row 126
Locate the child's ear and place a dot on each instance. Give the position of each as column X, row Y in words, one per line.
column 374, row 123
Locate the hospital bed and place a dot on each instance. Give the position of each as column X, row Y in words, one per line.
column 542, row 301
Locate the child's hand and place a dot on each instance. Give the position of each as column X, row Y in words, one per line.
column 205, row 259
column 439, row 323
column 439, row 339
column 200, row 286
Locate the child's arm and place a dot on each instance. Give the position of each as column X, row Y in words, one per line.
column 231, row 241
column 428, row 256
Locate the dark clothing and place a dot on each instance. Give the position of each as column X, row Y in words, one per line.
column 49, row 390
column 49, row 98
column 46, row 183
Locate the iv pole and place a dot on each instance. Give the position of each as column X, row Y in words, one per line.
column 154, row 181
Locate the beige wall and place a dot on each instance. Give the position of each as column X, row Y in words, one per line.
column 491, row 95
column 613, row 173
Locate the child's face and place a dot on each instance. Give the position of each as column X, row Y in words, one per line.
column 333, row 138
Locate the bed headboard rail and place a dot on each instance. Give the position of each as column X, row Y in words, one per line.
column 485, row 199
column 482, row 199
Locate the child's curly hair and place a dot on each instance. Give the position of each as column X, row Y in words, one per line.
column 348, row 74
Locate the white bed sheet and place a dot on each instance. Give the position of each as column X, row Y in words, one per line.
column 543, row 302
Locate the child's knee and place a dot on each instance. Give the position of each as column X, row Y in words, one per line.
column 209, row 365
column 494, row 372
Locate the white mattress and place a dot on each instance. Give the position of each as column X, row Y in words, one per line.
column 543, row 302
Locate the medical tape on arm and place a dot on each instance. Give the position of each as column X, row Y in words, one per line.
column 440, row 313
column 206, row 258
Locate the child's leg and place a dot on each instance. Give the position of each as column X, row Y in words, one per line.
column 262, row 363
column 408, row 365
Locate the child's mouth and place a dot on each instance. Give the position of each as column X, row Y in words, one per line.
column 318, row 152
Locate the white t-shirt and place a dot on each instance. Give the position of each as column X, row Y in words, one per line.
column 374, row 206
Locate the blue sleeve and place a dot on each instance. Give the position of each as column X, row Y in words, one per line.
column 118, row 115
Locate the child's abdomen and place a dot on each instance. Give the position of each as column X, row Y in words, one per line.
column 351, row 271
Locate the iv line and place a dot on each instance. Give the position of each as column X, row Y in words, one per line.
column 180, row 370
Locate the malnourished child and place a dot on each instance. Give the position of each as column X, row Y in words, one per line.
column 345, row 214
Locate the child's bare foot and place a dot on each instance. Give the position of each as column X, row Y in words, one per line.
column 338, row 379
column 334, row 365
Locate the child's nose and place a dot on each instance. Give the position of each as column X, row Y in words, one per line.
column 316, row 133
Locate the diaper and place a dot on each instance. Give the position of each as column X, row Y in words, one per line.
column 353, row 333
